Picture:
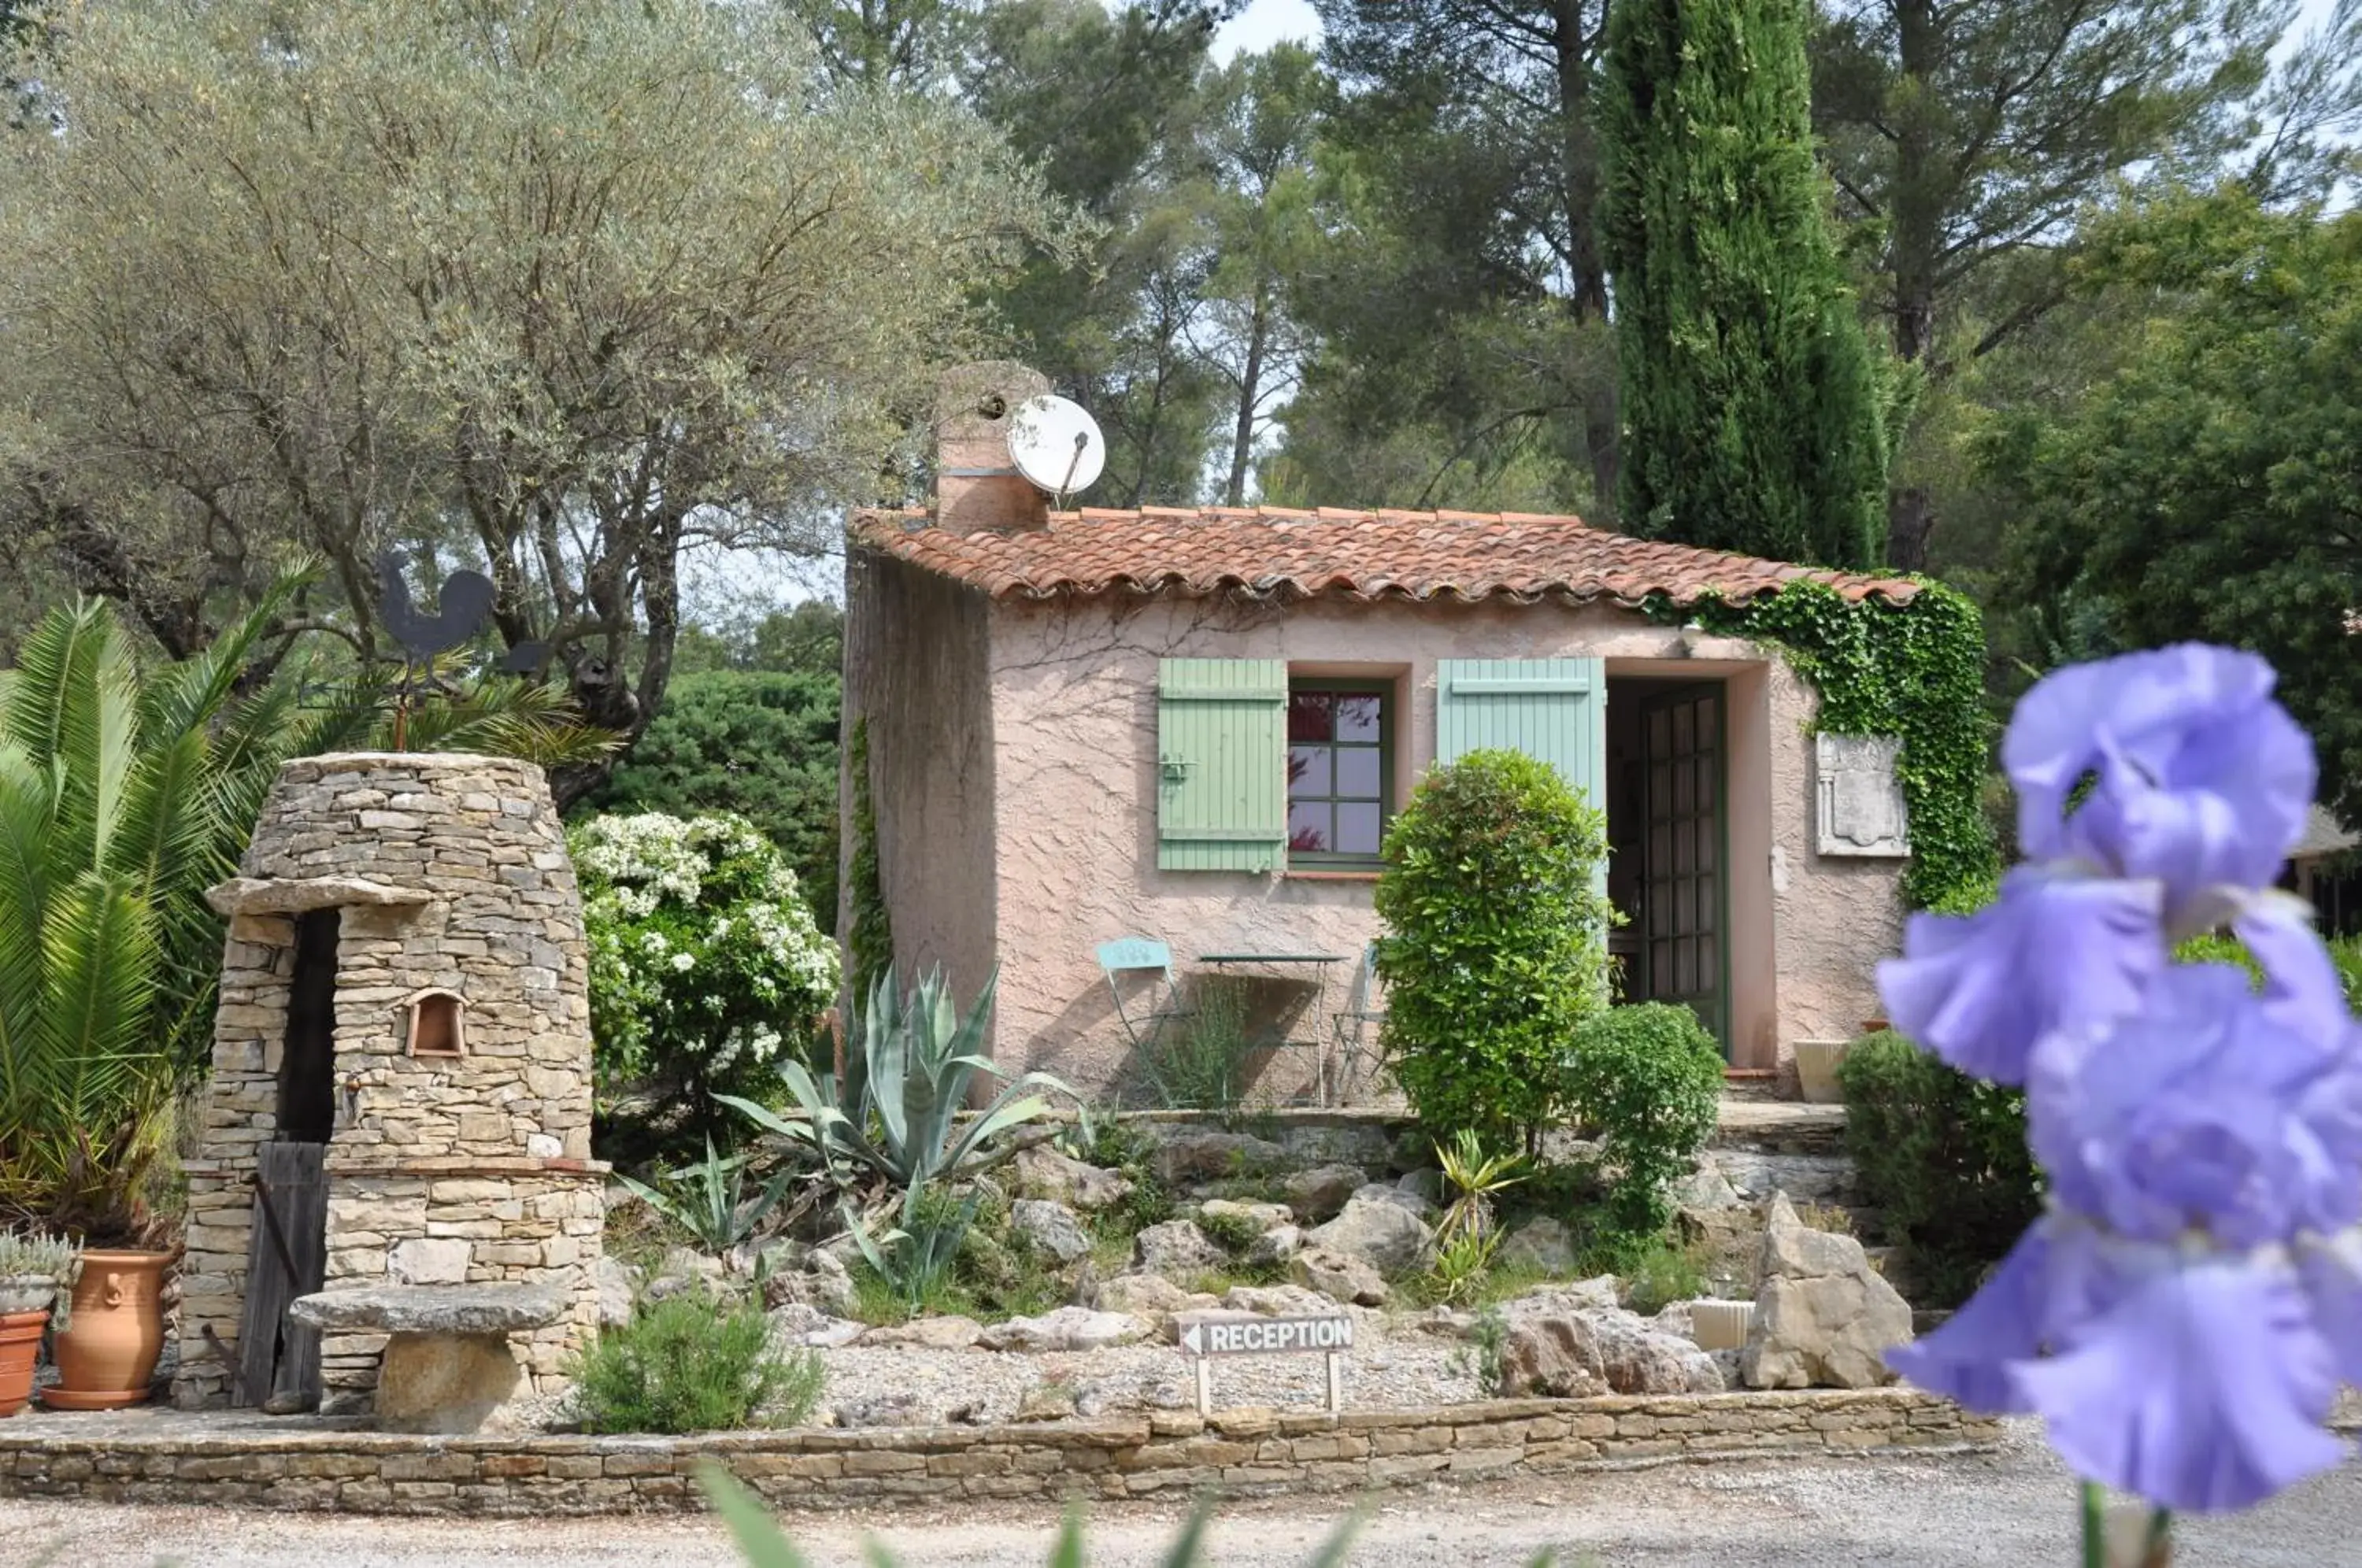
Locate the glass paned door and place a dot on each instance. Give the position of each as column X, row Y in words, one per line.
column 1682, row 912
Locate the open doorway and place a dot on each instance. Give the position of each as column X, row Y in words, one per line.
column 1668, row 833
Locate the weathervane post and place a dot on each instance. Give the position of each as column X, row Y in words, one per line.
column 466, row 606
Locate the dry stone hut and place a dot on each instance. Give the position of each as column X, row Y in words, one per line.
column 401, row 1073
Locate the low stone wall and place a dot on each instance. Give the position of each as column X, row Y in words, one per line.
column 251, row 1461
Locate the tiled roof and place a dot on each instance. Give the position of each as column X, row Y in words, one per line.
column 1268, row 552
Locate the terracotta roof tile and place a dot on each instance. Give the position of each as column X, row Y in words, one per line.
column 1278, row 553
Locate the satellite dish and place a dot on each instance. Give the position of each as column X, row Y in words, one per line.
column 1055, row 444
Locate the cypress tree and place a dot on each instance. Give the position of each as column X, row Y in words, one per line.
column 1754, row 413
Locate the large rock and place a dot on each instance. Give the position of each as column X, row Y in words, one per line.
column 1279, row 1301
column 455, row 1310
column 927, row 1333
column 1540, row 1244
column 1323, row 1192
column 1598, row 1294
column 1705, row 1190
column 1577, row 1354
column 1824, row 1319
column 1176, row 1250
column 1386, row 1233
column 444, row 1383
column 1193, row 1154
column 1051, row 1227
column 1066, row 1329
column 1344, row 1277
column 1042, row 1171
column 816, row 1279
column 619, row 1289
column 1276, row 1245
column 1261, row 1217
column 1809, row 1179
column 1411, row 1197
column 799, row 1323
column 1150, row 1297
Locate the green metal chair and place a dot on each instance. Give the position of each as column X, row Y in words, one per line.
column 1133, row 955
column 1356, row 1047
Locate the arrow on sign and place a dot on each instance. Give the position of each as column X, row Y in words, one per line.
column 1193, row 1339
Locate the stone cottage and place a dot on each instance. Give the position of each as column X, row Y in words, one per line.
column 1192, row 725
column 402, row 1089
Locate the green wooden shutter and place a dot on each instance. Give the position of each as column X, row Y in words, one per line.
column 1221, row 756
column 1554, row 710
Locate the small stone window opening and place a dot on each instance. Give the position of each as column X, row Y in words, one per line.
column 435, row 1024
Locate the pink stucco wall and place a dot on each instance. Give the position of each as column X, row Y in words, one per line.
column 1073, row 798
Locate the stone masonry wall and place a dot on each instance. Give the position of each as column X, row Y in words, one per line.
column 448, row 873
column 1244, row 1451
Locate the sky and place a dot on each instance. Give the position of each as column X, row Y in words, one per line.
column 1265, row 23
column 712, row 580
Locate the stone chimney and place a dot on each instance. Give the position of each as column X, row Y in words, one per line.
column 976, row 484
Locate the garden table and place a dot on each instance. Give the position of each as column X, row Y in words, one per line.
column 1320, row 963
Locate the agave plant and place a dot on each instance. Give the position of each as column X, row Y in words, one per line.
column 917, row 1255
column 897, row 1113
column 710, row 1199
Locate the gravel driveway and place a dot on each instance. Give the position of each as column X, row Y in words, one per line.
column 2015, row 1509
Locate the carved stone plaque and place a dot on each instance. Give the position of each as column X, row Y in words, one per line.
column 1860, row 802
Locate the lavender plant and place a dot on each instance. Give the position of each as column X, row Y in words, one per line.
column 2182, row 1312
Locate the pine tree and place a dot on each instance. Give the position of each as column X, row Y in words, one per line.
column 1753, row 411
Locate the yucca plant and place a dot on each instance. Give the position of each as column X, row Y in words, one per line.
column 897, row 1116
column 1473, row 1174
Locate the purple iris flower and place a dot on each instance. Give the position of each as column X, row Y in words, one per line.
column 2200, row 780
column 2184, row 1311
column 2053, row 951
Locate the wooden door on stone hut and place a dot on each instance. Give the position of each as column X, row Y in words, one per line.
column 287, row 1251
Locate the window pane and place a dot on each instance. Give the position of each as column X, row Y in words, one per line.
column 1705, row 842
column 1684, row 731
column 1684, row 801
column 1708, row 766
column 1357, row 827
column 1357, row 773
column 1682, row 865
column 1357, row 716
column 1307, row 771
column 1308, row 826
column 1311, row 715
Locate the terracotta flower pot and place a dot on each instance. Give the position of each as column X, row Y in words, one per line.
column 109, row 1354
column 20, row 1352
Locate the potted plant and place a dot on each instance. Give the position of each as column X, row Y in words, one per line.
column 107, row 1356
column 33, row 1270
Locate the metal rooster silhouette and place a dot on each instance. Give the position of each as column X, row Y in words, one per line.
column 466, row 605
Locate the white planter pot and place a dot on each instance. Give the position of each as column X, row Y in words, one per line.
column 27, row 1293
column 1816, row 1069
column 1720, row 1325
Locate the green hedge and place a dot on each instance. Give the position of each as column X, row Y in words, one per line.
column 1944, row 1156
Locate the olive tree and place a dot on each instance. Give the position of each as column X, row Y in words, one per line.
column 563, row 288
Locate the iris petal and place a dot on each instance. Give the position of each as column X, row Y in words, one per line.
column 1970, row 1358
column 2050, row 952
column 2331, row 1274
column 2205, row 1388
column 2202, row 781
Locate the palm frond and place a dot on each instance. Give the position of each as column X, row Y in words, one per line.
column 23, row 901
column 98, row 961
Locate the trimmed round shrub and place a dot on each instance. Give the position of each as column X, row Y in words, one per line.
column 1647, row 1079
column 1944, row 1156
column 707, row 973
column 1496, row 946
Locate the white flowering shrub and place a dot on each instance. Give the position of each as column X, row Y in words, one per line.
column 707, row 971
